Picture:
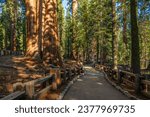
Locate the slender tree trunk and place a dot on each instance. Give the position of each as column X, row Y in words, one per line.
column 97, row 49
column 124, row 33
column 114, row 35
column 135, row 55
column 68, row 47
column 5, row 41
column 40, row 28
column 124, row 7
column 14, row 44
column 12, row 5
column 74, row 11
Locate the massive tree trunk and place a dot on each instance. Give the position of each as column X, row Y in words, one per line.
column 32, row 29
column 135, row 55
column 51, row 53
column 60, row 17
column 114, row 35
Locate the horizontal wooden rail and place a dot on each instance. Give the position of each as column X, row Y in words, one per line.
column 14, row 95
column 129, row 83
column 8, row 52
column 30, row 86
column 35, row 88
column 128, row 73
column 129, row 78
column 146, row 82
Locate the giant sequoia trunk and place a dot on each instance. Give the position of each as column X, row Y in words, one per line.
column 114, row 35
column 42, row 32
column 135, row 55
column 32, row 29
column 51, row 50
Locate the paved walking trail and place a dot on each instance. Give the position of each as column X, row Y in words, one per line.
column 93, row 86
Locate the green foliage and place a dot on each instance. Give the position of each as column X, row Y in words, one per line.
column 61, row 26
column 6, row 22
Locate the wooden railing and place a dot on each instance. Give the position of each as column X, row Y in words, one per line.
column 129, row 79
column 35, row 88
column 14, row 96
column 8, row 52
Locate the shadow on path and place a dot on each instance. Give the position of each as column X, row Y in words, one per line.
column 93, row 86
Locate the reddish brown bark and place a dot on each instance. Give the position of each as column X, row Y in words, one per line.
column 32, row 29
column 51, row 42
column 74, row 52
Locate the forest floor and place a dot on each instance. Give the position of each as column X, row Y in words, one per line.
column 21, row 69
column 15, row 69
column 93, row 86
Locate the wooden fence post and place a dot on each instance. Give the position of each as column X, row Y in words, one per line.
column 30, row 90
column 2, row 53
column 58, row 77
column 69, row 74
column 54, row 84
column 137, row 84
column 64, row 75
column 119, row 77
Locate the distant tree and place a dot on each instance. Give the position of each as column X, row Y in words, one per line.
column 114, row 35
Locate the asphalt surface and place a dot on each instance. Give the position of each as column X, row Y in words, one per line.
column 93, row 86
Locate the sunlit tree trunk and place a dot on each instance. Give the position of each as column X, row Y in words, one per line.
column 40, row 27
column 51, row 50
column 135, row 55
column 114, row 35
column 32, row 29
column 74, row 12
column 124, row 32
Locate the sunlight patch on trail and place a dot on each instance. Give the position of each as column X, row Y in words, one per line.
column 99, row 83
column 90, row 69
column 80, row 80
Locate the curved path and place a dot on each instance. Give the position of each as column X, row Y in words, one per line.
column 93, row 86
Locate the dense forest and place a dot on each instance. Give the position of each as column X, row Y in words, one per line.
column 107, row 32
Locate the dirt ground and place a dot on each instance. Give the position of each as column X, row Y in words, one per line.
column 20, row 69
column 15, row 69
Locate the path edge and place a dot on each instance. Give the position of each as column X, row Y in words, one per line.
column 126, row 93
column 66, row 89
